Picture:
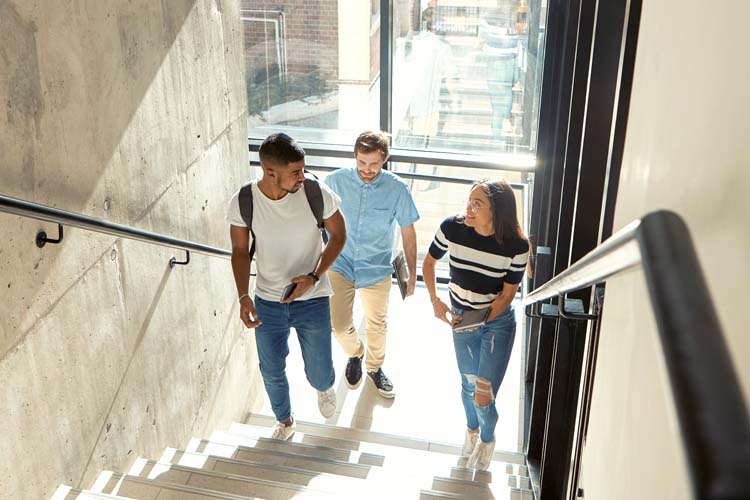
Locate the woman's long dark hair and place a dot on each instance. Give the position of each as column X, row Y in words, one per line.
column 504, row 212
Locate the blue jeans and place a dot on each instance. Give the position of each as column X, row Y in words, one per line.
column 484, row 353
column 312, row 321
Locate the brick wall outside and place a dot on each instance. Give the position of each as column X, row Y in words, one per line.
column 311, row 36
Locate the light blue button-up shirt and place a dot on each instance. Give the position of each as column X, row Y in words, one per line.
column 371, row 212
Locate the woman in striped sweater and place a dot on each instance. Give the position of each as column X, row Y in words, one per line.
column 488, row 255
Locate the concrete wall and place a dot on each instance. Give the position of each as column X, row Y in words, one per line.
column 687, row 150
column 133, row 112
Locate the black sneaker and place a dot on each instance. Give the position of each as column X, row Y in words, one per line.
column 353, row 373
column 385, row 387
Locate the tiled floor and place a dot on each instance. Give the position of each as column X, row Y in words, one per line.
column 421, row 363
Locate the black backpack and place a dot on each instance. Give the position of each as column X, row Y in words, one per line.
column 314, row 199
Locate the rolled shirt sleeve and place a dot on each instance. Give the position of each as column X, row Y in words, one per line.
column 406, row 211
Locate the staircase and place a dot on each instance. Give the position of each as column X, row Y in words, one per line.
column 320, row 461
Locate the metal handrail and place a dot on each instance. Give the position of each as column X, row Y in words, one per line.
column 405, row 175
column 710, row 407
column 620, row 250
column 41, row 212
column 512, row 162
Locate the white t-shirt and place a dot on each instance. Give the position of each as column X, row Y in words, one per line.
column 289, row 242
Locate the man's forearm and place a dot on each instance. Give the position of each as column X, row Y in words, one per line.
column 330, row 253
column 241, row 271
column 409, row 237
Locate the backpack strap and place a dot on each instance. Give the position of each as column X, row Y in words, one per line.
column 246, row 212
column 314, row 194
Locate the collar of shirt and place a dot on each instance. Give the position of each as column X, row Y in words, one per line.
column 378, row 180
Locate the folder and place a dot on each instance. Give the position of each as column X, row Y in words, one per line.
column 472, row 319
column 401, row 273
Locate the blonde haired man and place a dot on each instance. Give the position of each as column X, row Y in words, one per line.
column 373, row 202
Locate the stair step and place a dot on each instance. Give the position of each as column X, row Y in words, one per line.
column 516, row 494
column 517, row 470
column 512, row 494
column 373, row 454
column 64, row 492
column 475, row 111
column 234, row 483
column 147, row 489
column 261, row 443
column 249, row 469
column 523, row 483
column 474, row 489
column 403, row 479
column 440, row 495
column 466, row 90
column 299, row 437
column 272, row 457
column 421, row 464
column 389, row 440
column 471, row 474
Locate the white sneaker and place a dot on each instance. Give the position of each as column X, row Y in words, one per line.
column 327, row 402
column 284, row 432
column 470, row 442
column 482, row 455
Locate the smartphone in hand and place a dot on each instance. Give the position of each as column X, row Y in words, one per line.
column 287, row 291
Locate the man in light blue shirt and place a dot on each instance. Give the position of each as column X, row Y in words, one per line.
column 373, row 201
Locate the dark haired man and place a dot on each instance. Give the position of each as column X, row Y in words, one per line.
column 288, row 249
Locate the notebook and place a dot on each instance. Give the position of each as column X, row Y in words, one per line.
column 471, row 319
column 401, row 273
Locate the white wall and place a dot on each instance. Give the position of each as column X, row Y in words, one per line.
column 688, row 150
column 106, row 353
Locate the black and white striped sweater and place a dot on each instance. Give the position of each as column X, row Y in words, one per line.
column 479, row 265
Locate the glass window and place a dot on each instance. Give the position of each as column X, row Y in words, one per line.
column 312, row 67
column 467, row 74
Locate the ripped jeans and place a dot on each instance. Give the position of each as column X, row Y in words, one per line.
column 484, row 354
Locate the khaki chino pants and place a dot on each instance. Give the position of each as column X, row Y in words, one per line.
column 375, row 304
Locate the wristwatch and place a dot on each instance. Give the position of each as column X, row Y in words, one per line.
column 314, row 276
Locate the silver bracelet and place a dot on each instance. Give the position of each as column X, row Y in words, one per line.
column 242, row 297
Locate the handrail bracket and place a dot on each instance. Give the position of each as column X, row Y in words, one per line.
column 174, row 262
column 42, row 239
column 578, row 315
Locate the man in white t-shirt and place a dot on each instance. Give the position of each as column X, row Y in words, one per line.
column 288, row 249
